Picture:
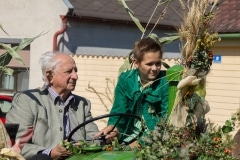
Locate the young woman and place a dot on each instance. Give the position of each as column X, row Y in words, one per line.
column 142, row 91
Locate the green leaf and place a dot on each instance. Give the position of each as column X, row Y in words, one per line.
column 228, row 123
column 166, row 40
column 5, row 58
column 25, row 42
column 13, row 53
column 1, row 27
column 161, row 3
column 130, row 12
column 163, row 40
column 154, row 36
column 124, row 67
column 6, row 70
column 227, row 129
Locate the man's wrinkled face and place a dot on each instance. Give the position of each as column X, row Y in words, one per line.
column 64, row 77
column 150, row 66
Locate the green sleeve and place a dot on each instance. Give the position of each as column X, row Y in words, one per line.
column 120, row 103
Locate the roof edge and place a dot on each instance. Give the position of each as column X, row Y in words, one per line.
column 230, row 35
column 10, row 40
column 74, row 17
column 70, row 7
column 109, row 56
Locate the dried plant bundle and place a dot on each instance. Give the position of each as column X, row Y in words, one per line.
column 194, row 34
column 197, row 57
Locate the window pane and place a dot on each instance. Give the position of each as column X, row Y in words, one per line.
column 7, row 82
column 22, row 80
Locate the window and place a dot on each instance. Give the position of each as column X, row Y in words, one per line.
column 16, row 82
column 7, row 82
column 20, row 79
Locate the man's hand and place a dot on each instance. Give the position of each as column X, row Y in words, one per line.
column 59, row 152
column 108, row 133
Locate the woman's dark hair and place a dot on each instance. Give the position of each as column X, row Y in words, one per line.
column 145, row 45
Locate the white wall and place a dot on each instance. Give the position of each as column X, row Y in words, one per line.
column 29, row 18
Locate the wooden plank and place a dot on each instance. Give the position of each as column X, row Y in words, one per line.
column 214, row 98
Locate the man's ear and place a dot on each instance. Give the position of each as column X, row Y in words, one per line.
column 135, row 63
column 49, row 75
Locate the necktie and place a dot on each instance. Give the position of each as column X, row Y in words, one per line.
column 66, row 122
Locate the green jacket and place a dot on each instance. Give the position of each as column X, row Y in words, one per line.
column 130, row 99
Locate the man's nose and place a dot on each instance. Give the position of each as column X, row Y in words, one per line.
column 74, row 75
column 154, row 67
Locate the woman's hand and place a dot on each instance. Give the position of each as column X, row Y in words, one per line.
column 108, row 132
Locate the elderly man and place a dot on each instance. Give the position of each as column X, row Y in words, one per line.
column 47, row 115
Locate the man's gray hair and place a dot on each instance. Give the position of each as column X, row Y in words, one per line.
column 48, row 62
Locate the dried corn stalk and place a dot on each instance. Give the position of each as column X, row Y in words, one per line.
column 196, row 59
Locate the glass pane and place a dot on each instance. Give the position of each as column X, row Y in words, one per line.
column 7, row 82
column 22, row 80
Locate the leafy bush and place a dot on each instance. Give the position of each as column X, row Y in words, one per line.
column 167, row 142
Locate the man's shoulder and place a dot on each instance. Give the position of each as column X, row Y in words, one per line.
column 80, row 98
column 162, row 73
column 129, row 73
column 35, row 91
column 33, row 94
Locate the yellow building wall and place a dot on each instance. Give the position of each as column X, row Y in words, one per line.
column 223, row 82
column 99, row 74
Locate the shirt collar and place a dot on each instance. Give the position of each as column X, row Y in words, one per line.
column 56, row 98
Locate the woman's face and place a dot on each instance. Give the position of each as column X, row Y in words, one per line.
column 150, row 66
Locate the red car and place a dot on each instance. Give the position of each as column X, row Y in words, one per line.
column 5, row 105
